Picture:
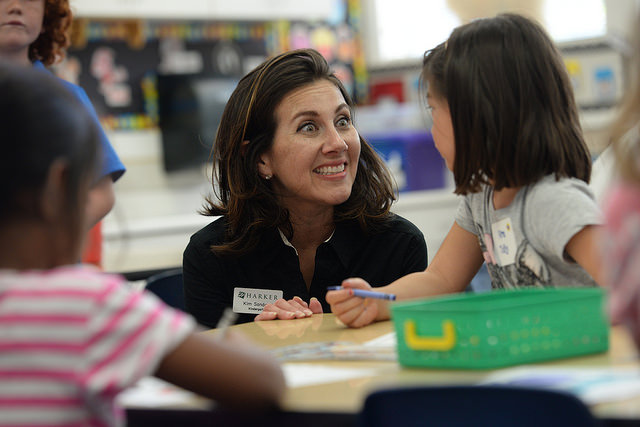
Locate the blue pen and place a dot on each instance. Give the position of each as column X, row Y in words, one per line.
column 364, row 294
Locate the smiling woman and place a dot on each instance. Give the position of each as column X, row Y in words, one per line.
column 304, row 200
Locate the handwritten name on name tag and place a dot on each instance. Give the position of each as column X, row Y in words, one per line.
column 504, row 242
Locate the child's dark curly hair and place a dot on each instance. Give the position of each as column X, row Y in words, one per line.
column 50, row 46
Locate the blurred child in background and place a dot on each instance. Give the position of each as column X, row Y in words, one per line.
column 621, row 239
column 36, row 33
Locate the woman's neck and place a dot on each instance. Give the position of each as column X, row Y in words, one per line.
column 311, row 229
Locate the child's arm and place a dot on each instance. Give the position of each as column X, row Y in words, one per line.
column 583, row 248
column 451, row 270
column 231, row 371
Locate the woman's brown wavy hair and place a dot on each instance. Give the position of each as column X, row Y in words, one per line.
column 50, row 46
column 249, row 202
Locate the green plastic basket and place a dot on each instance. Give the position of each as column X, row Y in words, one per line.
column 500, row 328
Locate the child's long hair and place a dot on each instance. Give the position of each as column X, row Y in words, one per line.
column 511, row 102
column 50, row 45
column 41, row 122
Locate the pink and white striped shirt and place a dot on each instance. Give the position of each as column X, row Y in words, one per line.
column 71, row 339
column 621, row 255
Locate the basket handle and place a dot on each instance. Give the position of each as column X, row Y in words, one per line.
column 446, row 342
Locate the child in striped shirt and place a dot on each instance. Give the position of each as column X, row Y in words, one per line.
column 72, row 338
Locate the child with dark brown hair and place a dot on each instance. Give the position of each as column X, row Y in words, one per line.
column 506, row 123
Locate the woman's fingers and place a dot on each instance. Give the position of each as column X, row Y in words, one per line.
column 315, row 306
column 294, row 308
column 303, row 305
column 296, row 305
column 266, row 315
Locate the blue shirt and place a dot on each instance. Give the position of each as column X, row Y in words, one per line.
column 111, row 162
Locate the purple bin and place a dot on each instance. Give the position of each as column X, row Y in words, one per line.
column 412, row 157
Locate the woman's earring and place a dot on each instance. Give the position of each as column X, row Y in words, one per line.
column 268, row 177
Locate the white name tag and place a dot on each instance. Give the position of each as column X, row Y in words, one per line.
column 504, row 242
column 247, row 300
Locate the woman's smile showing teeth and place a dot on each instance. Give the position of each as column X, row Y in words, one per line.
column 328, row 170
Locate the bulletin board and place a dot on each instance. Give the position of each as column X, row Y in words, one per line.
column 117, row 61
column 120, row 78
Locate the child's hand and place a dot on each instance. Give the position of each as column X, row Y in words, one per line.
column 295, row 308
column 353, row 311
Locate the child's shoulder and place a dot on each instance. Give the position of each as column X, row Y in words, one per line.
column 551, row 188
column 566, row 202
column 67, row 280
column 79, row 292
column 86, row 274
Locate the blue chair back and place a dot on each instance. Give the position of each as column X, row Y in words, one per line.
column 168, row 287
column 494, row 406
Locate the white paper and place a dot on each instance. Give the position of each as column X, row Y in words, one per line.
column 152, row 392
column 304, row 374
column 375, row 349
column 592, row 385
column 387, row 341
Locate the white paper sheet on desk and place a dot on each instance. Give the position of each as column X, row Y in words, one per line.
column 592, row 385
column 304, row 374
column 383, row 341
column 381, row 348
column 151, row 392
